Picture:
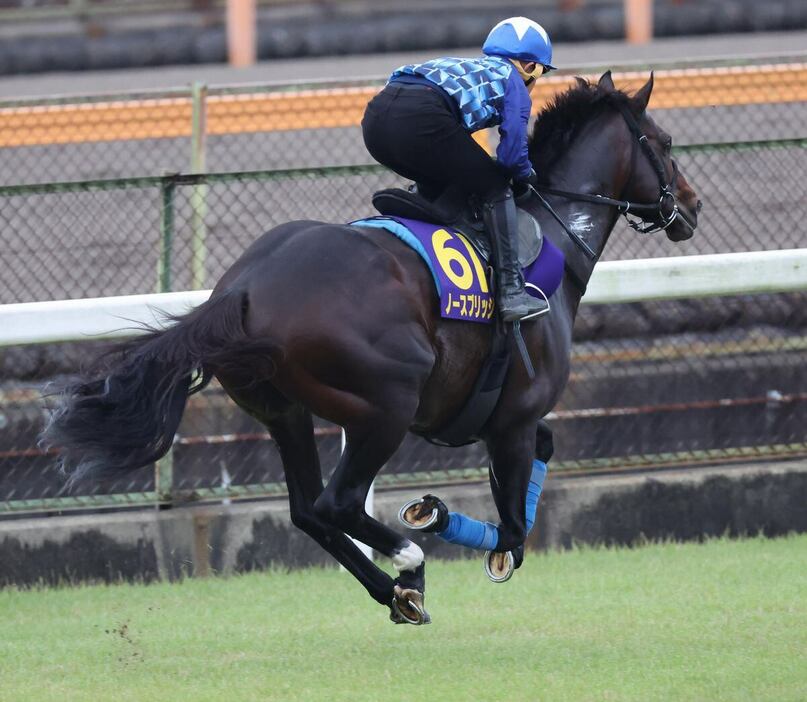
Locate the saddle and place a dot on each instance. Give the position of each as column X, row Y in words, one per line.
column 452, row 209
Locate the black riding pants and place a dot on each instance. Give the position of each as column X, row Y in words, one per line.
column 410, row 129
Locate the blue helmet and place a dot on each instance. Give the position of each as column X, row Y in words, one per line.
column 519, row 38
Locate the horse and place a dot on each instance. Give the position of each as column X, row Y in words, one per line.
column 342, row 322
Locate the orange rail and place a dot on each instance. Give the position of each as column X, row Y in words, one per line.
column 317, row 109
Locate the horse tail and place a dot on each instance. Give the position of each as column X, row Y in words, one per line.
column 123, row 413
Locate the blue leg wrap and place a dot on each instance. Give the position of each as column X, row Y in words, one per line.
column 484, row 536
column 470, row 532
column 534, row 490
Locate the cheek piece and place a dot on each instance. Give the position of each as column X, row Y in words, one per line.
column 484, row 536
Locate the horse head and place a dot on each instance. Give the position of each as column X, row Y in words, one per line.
column 595, row 144
column 668, row 201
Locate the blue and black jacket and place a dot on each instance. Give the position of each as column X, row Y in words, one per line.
column 484, row 92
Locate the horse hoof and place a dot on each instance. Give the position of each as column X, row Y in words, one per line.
column 407, row 607
column 499, row 566
column 422, row 514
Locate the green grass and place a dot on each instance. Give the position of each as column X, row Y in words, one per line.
column 726, row 620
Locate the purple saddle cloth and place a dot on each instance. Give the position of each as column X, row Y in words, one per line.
column 460, row 274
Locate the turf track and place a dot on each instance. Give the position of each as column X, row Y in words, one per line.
column 722, row 621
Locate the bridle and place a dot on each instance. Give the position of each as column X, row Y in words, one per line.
column 654, row 211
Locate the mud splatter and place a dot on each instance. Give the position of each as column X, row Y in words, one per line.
column 130, row 651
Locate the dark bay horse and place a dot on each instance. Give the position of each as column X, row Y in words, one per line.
column 342, row 322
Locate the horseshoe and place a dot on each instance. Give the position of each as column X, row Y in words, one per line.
column 407, row 607
column 499, row 567
column 416, row 514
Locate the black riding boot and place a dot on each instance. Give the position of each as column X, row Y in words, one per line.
column 502, row 225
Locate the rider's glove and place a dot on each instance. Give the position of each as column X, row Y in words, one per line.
column 520, row 185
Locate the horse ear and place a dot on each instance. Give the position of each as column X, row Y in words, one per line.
column 642, row 97
column 581, row 82
column 606, row 84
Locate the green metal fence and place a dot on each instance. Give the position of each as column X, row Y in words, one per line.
column 638, row 396
column 657, row 383
column 96, row 238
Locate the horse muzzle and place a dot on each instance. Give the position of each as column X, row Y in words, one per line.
column 685, row 223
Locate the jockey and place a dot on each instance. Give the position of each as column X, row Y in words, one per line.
column 420, row 126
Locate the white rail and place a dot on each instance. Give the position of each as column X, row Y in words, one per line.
column 612, row 282
column 91, row 318
column 710, row 275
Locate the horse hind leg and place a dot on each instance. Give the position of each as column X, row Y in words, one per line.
column 294, row 435
column 368, row 447
column 292, row 429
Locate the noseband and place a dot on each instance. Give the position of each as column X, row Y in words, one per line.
column 645, row 211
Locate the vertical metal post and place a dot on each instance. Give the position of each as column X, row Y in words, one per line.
column 199, row 192
column 164, row 468
column 638, row 21
column 201, row 545
column 164, row 479
column 167, row 205
column 241, row 32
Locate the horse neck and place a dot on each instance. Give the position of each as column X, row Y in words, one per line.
column 577, row 172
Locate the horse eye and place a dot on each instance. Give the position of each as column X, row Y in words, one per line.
column 668, row 144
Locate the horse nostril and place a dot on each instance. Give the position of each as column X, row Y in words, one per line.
column 698, row 206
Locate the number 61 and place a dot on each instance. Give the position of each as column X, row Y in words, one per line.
column 447, row 256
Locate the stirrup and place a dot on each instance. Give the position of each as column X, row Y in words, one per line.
column 535, row 315
column 539, row 312
column 518, row 291
column 543, row 310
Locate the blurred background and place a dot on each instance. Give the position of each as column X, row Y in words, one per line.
column 144, row 144
column 56, row 35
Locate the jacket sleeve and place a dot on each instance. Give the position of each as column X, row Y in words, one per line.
column 512, row 151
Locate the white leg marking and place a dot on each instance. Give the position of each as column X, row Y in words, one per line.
column 408, row 558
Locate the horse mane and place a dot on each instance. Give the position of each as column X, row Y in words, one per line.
column 559, row 122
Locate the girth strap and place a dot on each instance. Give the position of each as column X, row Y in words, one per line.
column 482, row 400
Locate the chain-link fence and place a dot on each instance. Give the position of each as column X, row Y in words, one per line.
column 652, row 383
column 138, row 235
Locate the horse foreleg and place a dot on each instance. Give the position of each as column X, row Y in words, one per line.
column 431, row 515
column 517, row 472
column 516, row 480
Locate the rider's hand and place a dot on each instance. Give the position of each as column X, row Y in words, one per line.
column 520, row 185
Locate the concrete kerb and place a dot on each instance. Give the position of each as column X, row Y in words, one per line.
column 146, row 545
